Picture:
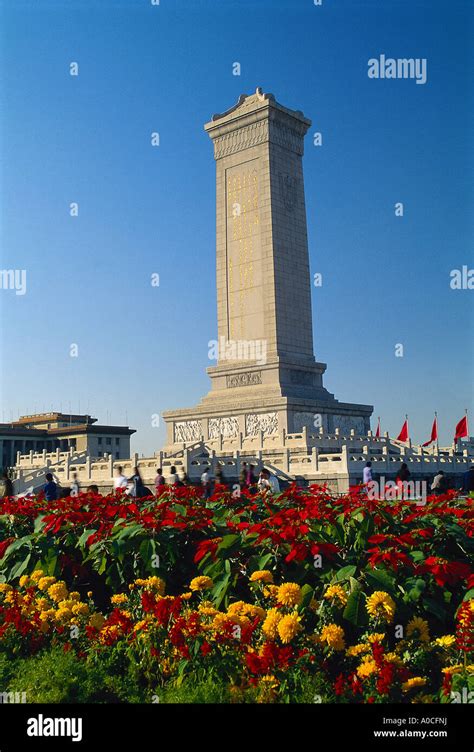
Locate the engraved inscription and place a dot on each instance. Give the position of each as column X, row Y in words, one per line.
column 244, row 379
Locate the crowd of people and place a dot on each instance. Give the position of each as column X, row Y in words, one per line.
column 265, row 481
column 439, row 483
column 134, row 486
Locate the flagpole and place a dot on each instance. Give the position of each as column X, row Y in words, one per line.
column 437, row 433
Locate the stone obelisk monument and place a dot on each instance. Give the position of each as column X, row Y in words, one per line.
column 266, row 380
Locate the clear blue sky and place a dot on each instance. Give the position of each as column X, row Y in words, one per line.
column 168, row 68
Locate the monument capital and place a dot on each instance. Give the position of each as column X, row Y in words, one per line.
column 256, row 119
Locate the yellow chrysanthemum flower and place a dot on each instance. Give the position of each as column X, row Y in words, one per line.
column 456, row 669
column 67, row 603
column 393, row 658
column 119, row 598
column 367, row 668
column 270, row 624
column 46, row 582
column 271, row 591
column 37, row 575
column 75, row 596
column 63, row 615
column 24, row 580
column 376, row 637
column 57, row 592
column 333, row 636
column 415, row 681
column 47, row 614
column 289, row 594
column 5, row 587
column 356, row 650
column 381, row 606
column 336, row 593
column 80, row 609
column 246, row 609
column 201, row 583
column 96, row 621
column 446, row 641
column 219, row 620
column 288, row 627
column 156, row 583
column 418, row 629
column 262, row 575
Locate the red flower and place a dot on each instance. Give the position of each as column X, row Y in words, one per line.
column 4, row 545
column 206, row 648
column 444, row 571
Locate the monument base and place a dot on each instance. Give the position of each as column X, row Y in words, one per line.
column 270, row 401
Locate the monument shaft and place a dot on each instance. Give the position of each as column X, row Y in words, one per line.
column 266, row 381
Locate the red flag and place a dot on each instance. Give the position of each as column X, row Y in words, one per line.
column 403, row 435
column 461, row 429
column 434, row 433
column 377, row 433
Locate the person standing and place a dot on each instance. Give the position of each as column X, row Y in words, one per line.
column 137, row 488
column 50, row 488
column 74, row 491
column 263, row 483
column 174, row 480
column 6, row 485
column 120, row 480
column 367, row 473
column 160, row 482
column 243, row 476
column 206, row 483
column 274, row 482
column 219, row 475
column 403, row 476
column 439, row 485
column 184, row 479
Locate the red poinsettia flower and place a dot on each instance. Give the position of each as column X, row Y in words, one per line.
column 444, row 571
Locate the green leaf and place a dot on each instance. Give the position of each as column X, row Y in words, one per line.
column 263, row 561
column 227, row 541
column 219, row 591
column 344, row 573
column 307, row 593
column 355, row 610
column 39, row 524
column 18, row 569
column 380, row 579
column 81, row 541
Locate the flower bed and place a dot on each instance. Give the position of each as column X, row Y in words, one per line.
column 300, row 597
